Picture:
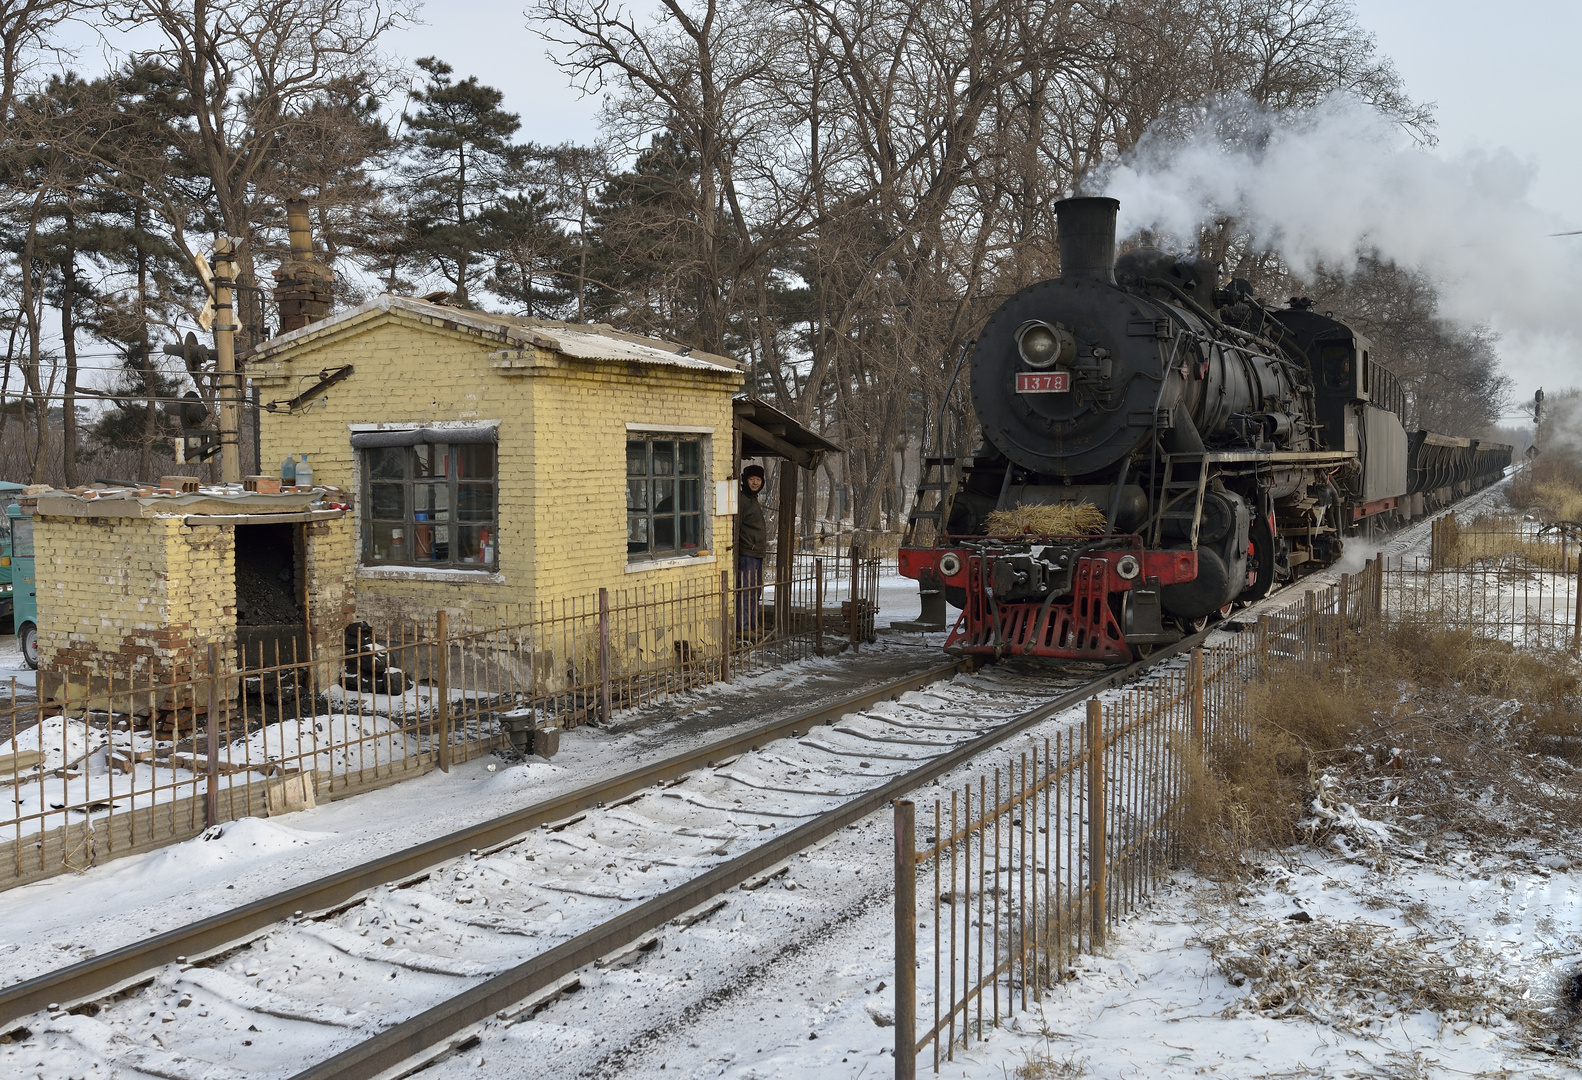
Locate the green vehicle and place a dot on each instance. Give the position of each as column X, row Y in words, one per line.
column 18, row 585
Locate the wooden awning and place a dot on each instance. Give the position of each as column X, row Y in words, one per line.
column 764, row 431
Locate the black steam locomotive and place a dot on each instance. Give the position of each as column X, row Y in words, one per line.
column 1230, row 447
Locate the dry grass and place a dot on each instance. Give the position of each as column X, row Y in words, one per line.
column 1061, row 519
column 1551, row 487
column 1446, row 740
column 1045, row 1066
column 1353, row 975
column 1500, row 538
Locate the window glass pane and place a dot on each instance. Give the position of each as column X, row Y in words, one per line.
column 691, row 455
column 430, row 502
column 389, row 542
column 429, row 460
column 664, row 496
column 664, row 457
column 664, row 533
column 691, row 493
column 474, row 461
column 636, row 457
column 386, row 463
column 387, row 501
column 22, row 537
column 469, row 544
column 475, row 502
column 428, row 542
column 636, row 494
column 691, row 530
column 636, row 535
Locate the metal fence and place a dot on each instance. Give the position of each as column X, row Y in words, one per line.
column 126, row 766
column 1498, row 576
column 1033, row 863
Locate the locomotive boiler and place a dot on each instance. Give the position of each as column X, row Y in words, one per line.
column 1229, row 446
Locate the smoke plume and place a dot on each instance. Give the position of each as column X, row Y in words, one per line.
column 1322, row 187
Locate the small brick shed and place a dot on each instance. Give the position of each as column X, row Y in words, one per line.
column 133, row 589
column 499, row 463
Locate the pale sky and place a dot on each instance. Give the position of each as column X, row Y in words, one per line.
column 1502, row 74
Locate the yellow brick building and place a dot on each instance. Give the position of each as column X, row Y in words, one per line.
column 133, row 589
column 497, row 464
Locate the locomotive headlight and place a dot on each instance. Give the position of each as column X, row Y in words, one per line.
column 1044, row 344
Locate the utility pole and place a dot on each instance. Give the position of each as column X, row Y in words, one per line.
column 1538, row 420
column 229, row 391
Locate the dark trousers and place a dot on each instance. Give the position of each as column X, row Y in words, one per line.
column 749, row 593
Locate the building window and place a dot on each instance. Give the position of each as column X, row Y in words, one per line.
column 664, row 496
column 430, row 504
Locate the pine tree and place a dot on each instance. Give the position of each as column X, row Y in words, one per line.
column 523, row 234
column 458, row 158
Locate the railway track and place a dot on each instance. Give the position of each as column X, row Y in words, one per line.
column 397, row 959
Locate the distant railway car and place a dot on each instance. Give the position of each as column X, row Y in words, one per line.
column 1229, row 446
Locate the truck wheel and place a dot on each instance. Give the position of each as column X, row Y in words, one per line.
column 28, row 635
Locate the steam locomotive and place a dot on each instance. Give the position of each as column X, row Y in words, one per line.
column 1230, row 446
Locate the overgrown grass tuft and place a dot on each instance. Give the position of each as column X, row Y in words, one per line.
column 1449, row 738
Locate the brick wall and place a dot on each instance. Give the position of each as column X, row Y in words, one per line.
column 561, row 454
column 131, row 599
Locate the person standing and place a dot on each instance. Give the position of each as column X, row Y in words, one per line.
column 752, row 546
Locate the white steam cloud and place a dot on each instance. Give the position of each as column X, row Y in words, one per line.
column 1341, row 180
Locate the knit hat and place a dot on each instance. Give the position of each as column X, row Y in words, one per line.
column 752, row 470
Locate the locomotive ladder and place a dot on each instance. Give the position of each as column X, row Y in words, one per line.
column 935, row 481
column 1185, row 477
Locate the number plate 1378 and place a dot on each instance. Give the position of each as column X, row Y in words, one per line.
column 1043, row 382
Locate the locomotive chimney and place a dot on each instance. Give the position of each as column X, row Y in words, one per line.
column 1085, row 228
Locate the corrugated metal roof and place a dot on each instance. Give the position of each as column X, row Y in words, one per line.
column 584, row 341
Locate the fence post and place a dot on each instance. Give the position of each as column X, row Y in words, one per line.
column 1096, row 845
column 1311, row 637
column 725, row 626
column 1195, row 679
column 905, row 940
column 604, row 656
column 442, row 634
column 855, row 620
column 1378, row 589
column 818, row 606
column 1576, row 632
column 211, row 796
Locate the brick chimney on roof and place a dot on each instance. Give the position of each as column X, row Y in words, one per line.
column 302, row 283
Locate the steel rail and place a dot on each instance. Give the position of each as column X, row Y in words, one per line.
column 414, row 1040
column 125, row 967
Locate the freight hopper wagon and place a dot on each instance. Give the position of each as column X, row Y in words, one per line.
column 1226, row 447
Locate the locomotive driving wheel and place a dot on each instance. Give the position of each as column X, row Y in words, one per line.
column 1260, row 561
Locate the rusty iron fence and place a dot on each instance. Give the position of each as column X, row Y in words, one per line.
column 1027, row 865
column 121, row 766
column 1500, row 576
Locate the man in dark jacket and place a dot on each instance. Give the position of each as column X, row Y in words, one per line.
column 752, row 545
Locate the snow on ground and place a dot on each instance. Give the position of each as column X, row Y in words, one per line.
column 12, row 667
column 52, row 922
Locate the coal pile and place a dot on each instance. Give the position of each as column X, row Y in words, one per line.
column 265, row 595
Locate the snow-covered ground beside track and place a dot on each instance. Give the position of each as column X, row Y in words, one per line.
column 49, row 923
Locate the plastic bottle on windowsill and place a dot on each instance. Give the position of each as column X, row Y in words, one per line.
column 304, row 473
column 288, row 471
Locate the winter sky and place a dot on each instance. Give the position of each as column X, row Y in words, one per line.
column 1501, row 74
